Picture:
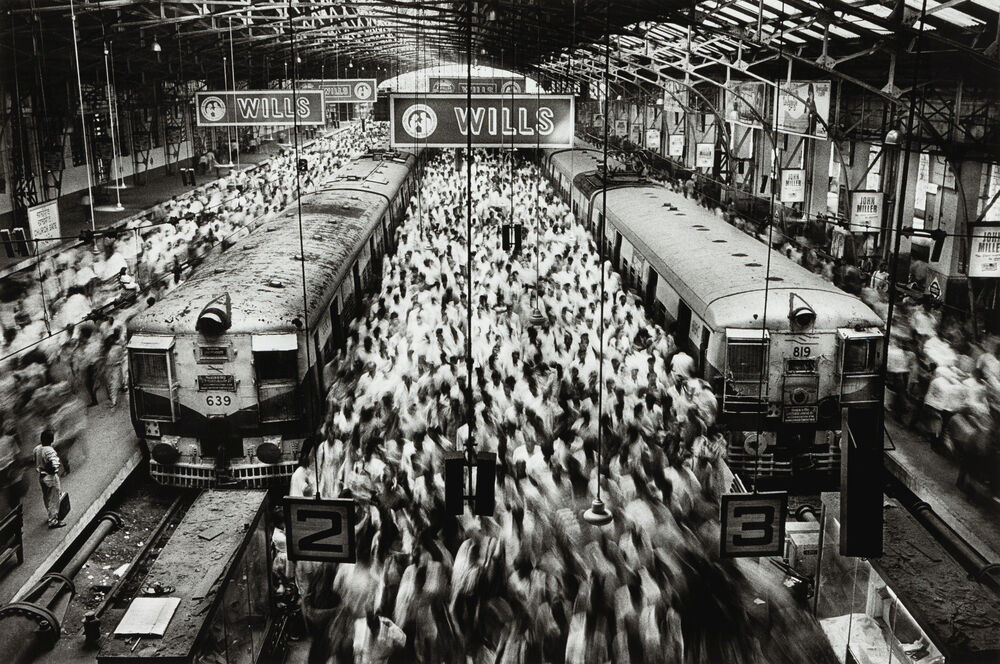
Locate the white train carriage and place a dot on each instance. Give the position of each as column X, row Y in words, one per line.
column 819, row 349
column 225, row 383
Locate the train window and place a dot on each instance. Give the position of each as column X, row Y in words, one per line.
column 150, row 368
column 276, row 365
column 745, row 361
column 860, row 356
column 277, row 374
column 800, row 366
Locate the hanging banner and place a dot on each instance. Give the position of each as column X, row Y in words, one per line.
column 259, row 107
column 43, row 222
column 793, row 185
column 494, row 121
column 801, row 107
column 343, row 90
column 984, row 259
column 674, row 95
column 635, row 135
column 484, row 85
column 676, row 147
column 705, row 155
column 866, row 211
column 653, row 139
column 745, row 102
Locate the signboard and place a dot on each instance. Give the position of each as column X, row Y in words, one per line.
column 259, row 108
column 745, row 102
column 753, row 524
column 866, row 211
column 934, row 290
column 705, row 156
column 793, row 185
column 984, row 259
column 621, row 128
column 43, row 222
column 225, row 382
column 674, row 95
column 653, row 139
column 494, row 121
column 676, row 147
column 485, row 85
column 801, row 107
column 635, row 134
column 343, row 90
column 320, row 530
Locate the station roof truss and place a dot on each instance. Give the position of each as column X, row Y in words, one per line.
column 885, row 48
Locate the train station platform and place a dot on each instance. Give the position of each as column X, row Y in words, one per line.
column 931, row 477
column 100, row 463
column 158, row 186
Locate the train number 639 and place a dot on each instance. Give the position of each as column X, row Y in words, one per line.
column 218, row 400
column 801, row 351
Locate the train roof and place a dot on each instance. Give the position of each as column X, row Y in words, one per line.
column 584, row 158
column 263, row 272
column 720, row 271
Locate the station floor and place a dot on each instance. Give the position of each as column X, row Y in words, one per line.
column 100, row 462
column 931, row 477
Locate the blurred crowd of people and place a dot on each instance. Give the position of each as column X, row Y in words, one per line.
column 534, row 582
column 63, row 319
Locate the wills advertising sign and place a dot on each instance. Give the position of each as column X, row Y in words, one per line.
column 259, row 107
column 493, row 121
column 440, row 85
column 343, row 90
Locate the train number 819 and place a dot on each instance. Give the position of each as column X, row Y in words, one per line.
column 218, row 400
column 801, row 351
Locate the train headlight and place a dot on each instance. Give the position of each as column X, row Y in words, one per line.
column 799, row 396
column 800, row 313
column 165, row 453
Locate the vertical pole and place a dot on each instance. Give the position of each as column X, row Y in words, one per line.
column 83, row 117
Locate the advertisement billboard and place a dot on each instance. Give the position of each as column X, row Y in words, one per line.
column 866, row 211
column 445, row 121
column 484, row 85
column 705, row 155
column 676, row 146
column 343, row 90
column 984, row 259
column 745, row 102
column 793, row 185
column 801, row 105
column 259, row 107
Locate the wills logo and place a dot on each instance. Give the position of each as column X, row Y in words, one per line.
column 420, row 121
column 213, row 108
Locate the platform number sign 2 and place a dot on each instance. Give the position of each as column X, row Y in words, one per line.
column 320, row 530
column 753, row 524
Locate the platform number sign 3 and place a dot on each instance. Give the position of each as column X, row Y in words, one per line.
column 753, row 524
column 320, row 530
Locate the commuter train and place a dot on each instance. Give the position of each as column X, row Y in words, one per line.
column 783, row 364
column 226, row 372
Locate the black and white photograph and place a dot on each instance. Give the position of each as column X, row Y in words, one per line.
column 524, row 332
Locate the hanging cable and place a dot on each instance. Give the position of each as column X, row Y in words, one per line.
column 310, row 420
column 83, row 117
column 232, row 66
column 111, row 121
column 470, row 410
column 598, row 515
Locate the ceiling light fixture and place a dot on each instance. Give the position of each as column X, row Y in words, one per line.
column 156, row 46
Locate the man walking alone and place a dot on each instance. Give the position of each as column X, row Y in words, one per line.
column 48, row 466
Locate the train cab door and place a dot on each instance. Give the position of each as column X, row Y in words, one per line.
column 617, row 254
column 337, row 333
column 683, row 325
column 320, row 363
column 706, row 334
column 649, row 296
column 357, row 286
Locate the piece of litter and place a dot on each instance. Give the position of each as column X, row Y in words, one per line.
column 120, row 572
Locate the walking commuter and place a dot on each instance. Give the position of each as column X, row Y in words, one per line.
column 48, row 466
